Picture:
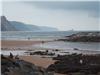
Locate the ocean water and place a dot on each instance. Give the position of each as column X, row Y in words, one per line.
column 93, row 46
column 20, row 35
column 85, row 46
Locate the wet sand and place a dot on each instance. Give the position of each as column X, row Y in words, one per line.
column 17, row 43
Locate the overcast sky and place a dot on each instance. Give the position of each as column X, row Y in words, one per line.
column 64, row 15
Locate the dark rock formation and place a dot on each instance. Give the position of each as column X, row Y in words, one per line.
column 42, row 53
column 11, row 66
column 83, row 37
column 88, row 64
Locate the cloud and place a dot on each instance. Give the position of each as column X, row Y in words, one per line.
column 62, row 15
column 92, row 7
column 69, row 5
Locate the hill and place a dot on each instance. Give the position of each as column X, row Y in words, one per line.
column 7, row 25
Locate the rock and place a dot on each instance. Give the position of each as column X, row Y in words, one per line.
column 11, row 66
column 83, row 37
column 42, row 53
column 71, row 64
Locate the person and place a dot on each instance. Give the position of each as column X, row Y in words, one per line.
column 42, row 42
column 29, row 38
column 11, row 55
column 47, row 51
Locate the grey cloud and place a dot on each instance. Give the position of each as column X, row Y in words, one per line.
column 89, row 6
column 77, row 5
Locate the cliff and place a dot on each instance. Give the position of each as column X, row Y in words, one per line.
column 6, row 25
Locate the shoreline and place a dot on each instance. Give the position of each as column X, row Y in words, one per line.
column 26, row 45
column 35, row 59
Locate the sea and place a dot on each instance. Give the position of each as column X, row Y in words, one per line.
column 24, row 35
column 54, row 35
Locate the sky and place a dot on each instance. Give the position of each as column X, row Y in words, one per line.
column 63, row 15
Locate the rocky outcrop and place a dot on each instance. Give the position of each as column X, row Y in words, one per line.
column 83, row 37
column 12, row 66
column 87, row 64
column 41, row 53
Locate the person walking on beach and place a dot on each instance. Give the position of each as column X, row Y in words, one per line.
column 43, row 42
column 28, row 38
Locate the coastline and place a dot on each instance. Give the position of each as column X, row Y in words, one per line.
column 38, row 60
column 26, row 45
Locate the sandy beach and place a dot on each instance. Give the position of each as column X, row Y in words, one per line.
column 39, row 61
column 17, row 43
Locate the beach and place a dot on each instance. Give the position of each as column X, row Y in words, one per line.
column 50, row 38
column 25, row 48
column 43, row 62
column 37, row 60
column 17, row 43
